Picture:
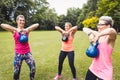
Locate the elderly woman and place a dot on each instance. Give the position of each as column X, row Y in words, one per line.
column 101, row 67
column 22, row 48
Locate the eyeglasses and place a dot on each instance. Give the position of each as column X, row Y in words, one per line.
column 101, row 24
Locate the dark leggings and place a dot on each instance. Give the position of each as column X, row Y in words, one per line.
column 62, row 56
column 91, row 76
column 18, row 59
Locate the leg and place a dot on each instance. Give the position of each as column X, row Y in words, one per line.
column 17, row 66
column 90, row 76
column 31, row 63
column 71, row 63
column 62, row 56
column 61, row 60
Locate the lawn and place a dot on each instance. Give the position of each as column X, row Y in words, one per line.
column 45, row 47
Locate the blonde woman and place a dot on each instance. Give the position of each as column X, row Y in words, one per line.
column 67, row 48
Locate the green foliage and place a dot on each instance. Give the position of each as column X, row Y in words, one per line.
column 11, row 8
column 79, row 20
column 88, row 11
column 108, row 7
column 39, row 11
column 90, row 22
column 99, row 8
column 72, row 15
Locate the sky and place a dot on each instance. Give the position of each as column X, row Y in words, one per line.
column 61, row 6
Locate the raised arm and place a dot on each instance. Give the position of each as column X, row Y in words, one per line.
column 89, row 31
column 110, row 31
column 59, row 29
column 8, row 27
column 73, row 29
column 32, row 27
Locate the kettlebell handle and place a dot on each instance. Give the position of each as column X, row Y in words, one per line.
column 96, row 44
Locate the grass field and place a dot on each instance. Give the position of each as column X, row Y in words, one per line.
column 45, row 47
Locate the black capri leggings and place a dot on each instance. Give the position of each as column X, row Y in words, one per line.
column 91, row 76
column 62, row 56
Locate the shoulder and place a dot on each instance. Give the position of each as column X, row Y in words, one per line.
column 113, row 34
column 113, row 30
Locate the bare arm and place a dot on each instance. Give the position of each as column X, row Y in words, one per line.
column 110, row 31
column 32, row 27
column 73, row 29
column 59, row 29
column 89, row 31
column 8, row 27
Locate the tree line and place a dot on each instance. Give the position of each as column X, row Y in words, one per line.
column 39, row 11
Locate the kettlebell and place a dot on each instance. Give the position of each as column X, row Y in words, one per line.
column 65, row 37
column 23, row 38
column 92, row 51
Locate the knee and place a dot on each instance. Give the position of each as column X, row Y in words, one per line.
column 33, row 70
column 16, row 72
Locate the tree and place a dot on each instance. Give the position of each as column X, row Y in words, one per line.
column 11, row 8
column 72, row 15
column 110, row 8
column 61, row 21
column 82, row 16
column 90, row 22
column 88, row 11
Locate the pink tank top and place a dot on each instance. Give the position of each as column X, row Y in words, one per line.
column 67, row 46
column 102, row 65
column 21, row 48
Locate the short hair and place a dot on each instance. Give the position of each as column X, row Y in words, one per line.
column 108, row 20
column 22, row 16
column 68, row 24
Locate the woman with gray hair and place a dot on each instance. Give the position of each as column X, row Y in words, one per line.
column 22, row 48
column 101, row 67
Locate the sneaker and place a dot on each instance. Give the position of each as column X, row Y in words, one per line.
column 74, row 79
column 57, row 77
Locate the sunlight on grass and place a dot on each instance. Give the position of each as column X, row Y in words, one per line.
column 45, row 47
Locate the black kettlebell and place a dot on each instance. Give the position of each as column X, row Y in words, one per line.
column 92, row 51
column 65, row 37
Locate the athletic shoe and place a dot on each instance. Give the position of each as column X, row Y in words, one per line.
column 74, row 79
column 57, row 77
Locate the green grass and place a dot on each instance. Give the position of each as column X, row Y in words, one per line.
column 45, row 47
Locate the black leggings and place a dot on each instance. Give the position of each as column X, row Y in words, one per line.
column 62, row 56
column 91, row 76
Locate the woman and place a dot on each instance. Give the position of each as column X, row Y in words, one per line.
column 67, row 48
column 22, row 49
column 101, row 67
